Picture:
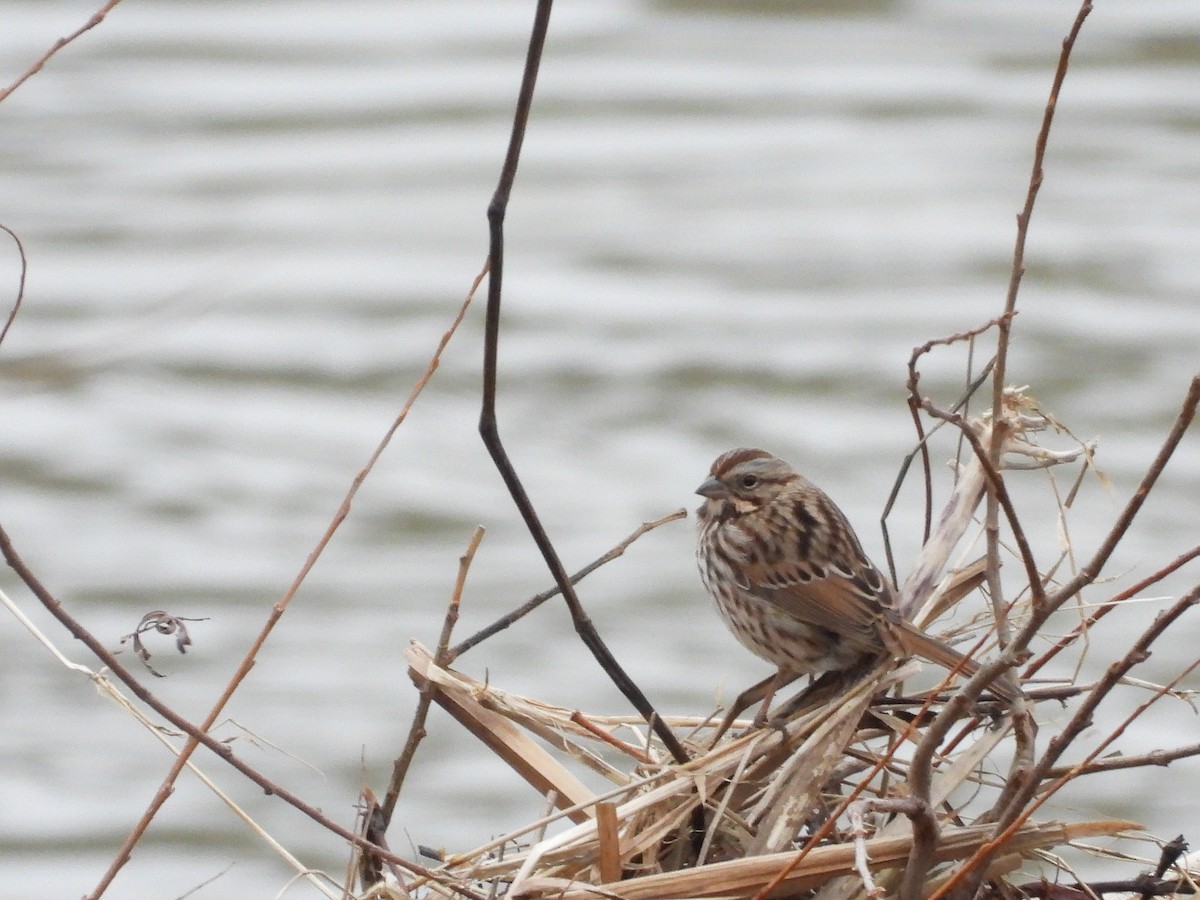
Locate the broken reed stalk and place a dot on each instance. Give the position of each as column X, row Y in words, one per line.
column 442, row 657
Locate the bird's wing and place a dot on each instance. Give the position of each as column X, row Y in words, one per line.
column 803, row 557
column 845, row 603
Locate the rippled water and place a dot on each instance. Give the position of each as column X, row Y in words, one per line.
column 248, row 226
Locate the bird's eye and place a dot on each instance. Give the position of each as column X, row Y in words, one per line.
column 749, row 481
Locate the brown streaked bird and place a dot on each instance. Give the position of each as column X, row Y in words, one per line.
column 790, row 577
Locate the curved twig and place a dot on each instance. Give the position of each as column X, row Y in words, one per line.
column 16, row 307
column 923, row 436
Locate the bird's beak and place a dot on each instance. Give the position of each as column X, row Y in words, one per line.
column 713, row 489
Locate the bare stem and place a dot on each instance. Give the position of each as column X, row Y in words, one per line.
column 96, row 19
column 416, row 732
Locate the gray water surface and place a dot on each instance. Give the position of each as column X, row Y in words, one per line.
column 249, row 224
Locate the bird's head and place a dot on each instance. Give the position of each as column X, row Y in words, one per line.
column 743, row 480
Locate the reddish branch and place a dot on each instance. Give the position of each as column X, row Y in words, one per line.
column 96, row 19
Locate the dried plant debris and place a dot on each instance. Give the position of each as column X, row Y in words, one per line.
column 162, row 623
column 766, row 794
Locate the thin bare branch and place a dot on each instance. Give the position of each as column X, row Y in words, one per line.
column 96, row 19
column 1108, row 606
column 538, row 599
column 1092, row 569
column 1161, row 758
column 1017, row 272
column 196, row 735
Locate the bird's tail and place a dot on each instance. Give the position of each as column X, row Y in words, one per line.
column 917, row 643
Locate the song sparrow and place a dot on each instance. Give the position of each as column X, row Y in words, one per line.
column 790, row 577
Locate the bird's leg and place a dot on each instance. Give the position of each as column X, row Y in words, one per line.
column 773, row 685
column 763, row 691
column 822, row 691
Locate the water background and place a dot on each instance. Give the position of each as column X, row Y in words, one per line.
column 249, row 224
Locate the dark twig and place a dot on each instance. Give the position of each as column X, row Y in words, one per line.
column 538, row 599
column 1149, row 888
column 96, row 19
column 1171, row 852
column 488, row 428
